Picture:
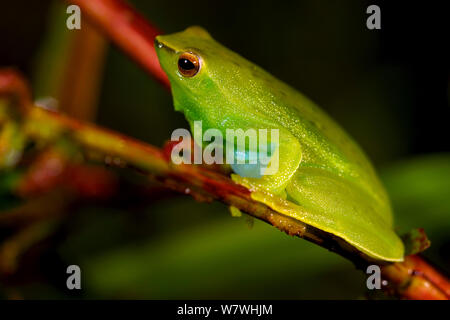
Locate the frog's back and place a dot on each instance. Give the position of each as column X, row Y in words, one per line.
column 325, row 145
column 335, row 187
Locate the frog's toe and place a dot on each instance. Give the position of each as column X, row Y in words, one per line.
column 235, row 212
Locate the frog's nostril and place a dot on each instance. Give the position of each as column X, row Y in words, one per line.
column 162, row 44
column 158, row 44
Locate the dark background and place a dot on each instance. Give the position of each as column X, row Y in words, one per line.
column 412, row 43
column 388, row 88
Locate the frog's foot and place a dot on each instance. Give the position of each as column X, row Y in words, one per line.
column 278, row 202
column 235, row 212
column 255, row 184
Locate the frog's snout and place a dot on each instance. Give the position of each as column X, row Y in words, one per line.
column 161, row 44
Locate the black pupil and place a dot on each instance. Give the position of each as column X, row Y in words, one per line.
column 185, row 64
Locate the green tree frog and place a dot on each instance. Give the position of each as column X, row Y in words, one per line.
column 323, row 178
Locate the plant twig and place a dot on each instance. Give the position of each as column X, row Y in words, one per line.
column 412, row 279
column 80, row 87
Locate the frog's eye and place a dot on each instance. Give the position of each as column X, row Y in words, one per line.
column 188, row 64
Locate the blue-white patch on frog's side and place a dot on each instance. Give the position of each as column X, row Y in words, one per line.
column 255, row 165
column 247, row 170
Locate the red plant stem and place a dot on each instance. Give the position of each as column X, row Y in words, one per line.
column 79, row 88
column 128, row 29
column 425, row 270
column 416, row 279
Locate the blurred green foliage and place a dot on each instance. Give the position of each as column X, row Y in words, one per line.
column 420, row 193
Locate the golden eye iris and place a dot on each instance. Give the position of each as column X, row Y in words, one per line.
column 188, row 64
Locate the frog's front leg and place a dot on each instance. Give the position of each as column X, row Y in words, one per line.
column 274, row 177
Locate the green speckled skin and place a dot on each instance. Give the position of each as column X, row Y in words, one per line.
column 324, row 178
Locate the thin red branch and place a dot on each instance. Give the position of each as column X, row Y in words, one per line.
column 416, row 279
column 79, row 87
column 128, row 29
column 424, row 269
